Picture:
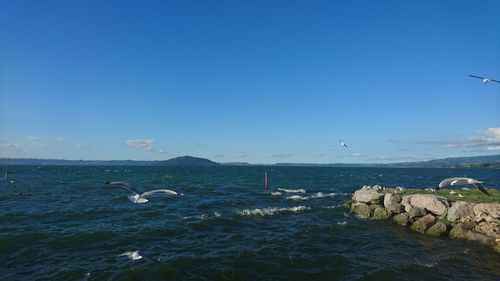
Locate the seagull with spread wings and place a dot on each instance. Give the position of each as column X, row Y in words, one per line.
column 484, row 79
column 139, row 195
column 458, row 181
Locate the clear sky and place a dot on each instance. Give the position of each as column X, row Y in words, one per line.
column 249, row 81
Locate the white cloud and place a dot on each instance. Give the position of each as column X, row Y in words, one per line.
column 485, row 140
column 17, row 146
column 357, row 154
column 33, row 138
column 59, row 139
column 144, row 144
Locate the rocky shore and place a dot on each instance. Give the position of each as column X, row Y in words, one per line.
column 430, row 214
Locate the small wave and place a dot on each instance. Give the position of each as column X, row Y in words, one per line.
column 341, row 222
column 272, row 211
column 334, row 206
column 292, row 190
column 203, row 216
column 318, row 195
column 277, row 193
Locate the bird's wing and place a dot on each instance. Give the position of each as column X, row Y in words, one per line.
column 495, row 80
column 159, row 191
column 126, row 185
column 481, row 188
column 474, row 76
column 128, row 254
column 446, row 182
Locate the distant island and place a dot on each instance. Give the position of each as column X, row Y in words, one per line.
column 187, row 161
column 491, row 161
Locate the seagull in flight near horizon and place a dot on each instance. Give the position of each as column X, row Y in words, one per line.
column 458, row 181
column 343, row 144
column 140, row 196
column 485, row 80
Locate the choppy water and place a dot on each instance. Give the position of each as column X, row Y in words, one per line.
column 60, row 223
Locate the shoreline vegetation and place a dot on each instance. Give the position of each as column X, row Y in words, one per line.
column 474, row 216
column 490, row 161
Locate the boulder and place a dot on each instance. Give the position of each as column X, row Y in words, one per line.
column 348, row 204
column 367, row 195
column 481, row 238
column 459, row 231
column 361, row 209
column 401, row 219
column 437, row 229
column 434, row 204
column 490, row 229
column 461, row 210
column 375, row 206
column 405, row 201
column 497, row 248
column 423, row 223
column 491, row 209
column 381, row 213
column 416, row 212
column 392, row 203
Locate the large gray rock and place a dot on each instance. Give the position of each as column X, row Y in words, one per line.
column 461, row 210
column 459, row 231
column 392, row 203
column 361, row 210
column 423, row 223
column 481, row 238
column 490, row 229
column 434, row 204
column 490, row 209
column 367, row 195
column 416, row 212
column 375, row 206
column 437, row 229
column 381, row 213
column 405, row 201
column 401, row 219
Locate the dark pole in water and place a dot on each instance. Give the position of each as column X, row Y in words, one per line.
column 265, row 180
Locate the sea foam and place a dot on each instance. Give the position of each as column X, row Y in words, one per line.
column 292, row 190
column 272, row 211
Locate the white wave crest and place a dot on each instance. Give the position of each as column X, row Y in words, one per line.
column 292, row 190
column 314, row 196
column 341, row 222
column 277, row 193
column 203, row 216
column 272, row 211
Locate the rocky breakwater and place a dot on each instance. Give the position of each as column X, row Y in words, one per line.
column 430, row 214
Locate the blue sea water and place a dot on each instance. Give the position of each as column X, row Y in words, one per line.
column 61, row 223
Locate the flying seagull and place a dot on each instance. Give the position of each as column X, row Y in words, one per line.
column 140, row 196
column 457, row 181
column 485, row 80
column 136, row 255
column 343, row 144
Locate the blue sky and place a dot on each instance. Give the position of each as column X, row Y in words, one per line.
column 249, row 81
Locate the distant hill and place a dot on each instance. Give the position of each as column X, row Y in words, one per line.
column 492, row 161
column 187, row 161
column 62, row 162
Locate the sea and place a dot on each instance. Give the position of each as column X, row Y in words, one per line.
column 62, row 223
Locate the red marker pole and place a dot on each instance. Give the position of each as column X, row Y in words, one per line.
column 265, row 180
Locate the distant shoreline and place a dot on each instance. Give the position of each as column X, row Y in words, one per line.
column 487, row 162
